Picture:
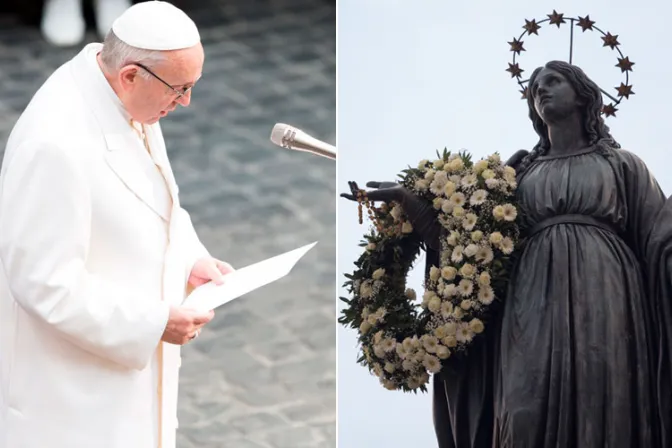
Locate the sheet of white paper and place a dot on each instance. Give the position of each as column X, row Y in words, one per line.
column 244, row 280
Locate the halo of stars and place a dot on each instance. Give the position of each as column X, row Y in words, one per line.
column 624, row 90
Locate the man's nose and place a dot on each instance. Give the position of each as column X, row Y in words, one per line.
column 185, row 99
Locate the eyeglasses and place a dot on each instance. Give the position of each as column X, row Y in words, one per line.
column 179, row 93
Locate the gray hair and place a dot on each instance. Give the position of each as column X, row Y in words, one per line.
column 116, row 54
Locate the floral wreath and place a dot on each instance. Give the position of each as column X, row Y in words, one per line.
column 402, row 342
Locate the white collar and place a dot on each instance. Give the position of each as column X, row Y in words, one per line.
column 92, row 51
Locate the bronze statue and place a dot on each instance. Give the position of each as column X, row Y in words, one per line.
column 579, row 354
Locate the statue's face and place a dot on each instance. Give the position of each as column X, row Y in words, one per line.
column 554, row 97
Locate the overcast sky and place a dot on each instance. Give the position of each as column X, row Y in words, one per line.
column 414, row 77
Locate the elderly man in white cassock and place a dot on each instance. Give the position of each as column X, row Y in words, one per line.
column 96, row 252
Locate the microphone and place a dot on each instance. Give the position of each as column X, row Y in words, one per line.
column 289, row 137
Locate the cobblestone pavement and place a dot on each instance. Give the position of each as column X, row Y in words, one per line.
column 262, row 375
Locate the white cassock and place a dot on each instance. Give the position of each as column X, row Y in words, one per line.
column 94, row 246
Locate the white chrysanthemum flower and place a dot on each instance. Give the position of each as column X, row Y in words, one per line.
column 488, row 174
column 432, row 363
column 439, row 183
column 419, row 355
column 486, row 295
column 494, row 158
column 496, row 238
column 469, row 181
column 466, row 304
column 429, row 343
column 447, row 207
column 389, row 384
column 510, row 212
column 426, row 296
column 429, row 175
column 498, row 212
column 458, row 211
column 412, row 383
column 453, row 238
column 388, row 345
column 469, row 221
column 455, row 178
column 470, row 250
column 389, row 367
column 442, row 352
column 476, row 236
column 440, row 332
column 421, row 185
column 484, row 279
column 464, row 333
column 401, row 351
column 448, row 273
column 437, row 203
column 408, row 345
column 451, row 328
column 484, row 255
column 396, row 212
column 434, row 304
column 457, row 164
column 478, row 197
column 468, row 270
column 366, row 312
column 506, row 246
column 410, row 294
column 480, row 166
column 365, row 327
column 476, row 326
column 458, row 313
column 438, row 164
column 378, row 273
column 449, row 189
column 365, row 289
column 423, row 163
column 378, row 337
column 458, row 199
column 446, row 310
column 434, row 273
column 378, row 351
column 465, row 288
column 406, row 227
column 378, row 370
column 380, row 313
column 449, row 341
column 408, row 364
column 492, row 184
column 509, row 179
column 449, row 290
column 456, row 255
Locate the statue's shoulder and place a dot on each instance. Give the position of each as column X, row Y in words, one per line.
column 516, row 158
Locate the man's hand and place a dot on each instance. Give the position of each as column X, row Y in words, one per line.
column 209, row 269
column 184, row 324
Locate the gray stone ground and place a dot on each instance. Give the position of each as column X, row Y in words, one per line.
column 263, row 373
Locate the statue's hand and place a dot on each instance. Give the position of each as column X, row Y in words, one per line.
column 384, row 191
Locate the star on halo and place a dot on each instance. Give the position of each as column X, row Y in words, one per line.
column 531, row 26
column 555, row 18
column 625, row 64
column 609, row 110
column 625, row 91
column 585, row 23
column 610, row 41
column 516, row 45
column 515, row 70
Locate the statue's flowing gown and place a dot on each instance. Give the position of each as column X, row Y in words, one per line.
column 573, row 359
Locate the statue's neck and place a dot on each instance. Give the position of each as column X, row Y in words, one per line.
column 567, row 136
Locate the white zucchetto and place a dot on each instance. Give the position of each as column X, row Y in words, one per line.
column 156, row 25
